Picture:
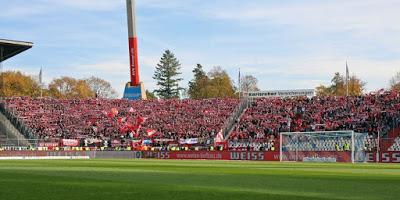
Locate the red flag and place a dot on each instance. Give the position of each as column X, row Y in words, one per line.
column 114, row 111
column 140, row 120
column 110, row 115
column 150, row 132
column 121, row 119
column 219, row 137
column 131, row 127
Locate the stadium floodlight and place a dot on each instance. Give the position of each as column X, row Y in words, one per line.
column 134, row 89
column 323, row 146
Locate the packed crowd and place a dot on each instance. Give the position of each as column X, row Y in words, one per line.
column 268, row 117
column 199, row 121
column 161, row 120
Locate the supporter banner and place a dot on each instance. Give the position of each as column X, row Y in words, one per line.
column 70, row 142
column 93, row 141
column 115, row 143
column 146, row 142
column 48, row 144
column 189, row 141
column 164, row 140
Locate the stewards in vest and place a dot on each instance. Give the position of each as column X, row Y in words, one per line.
column 337, row 147
column 346, row 147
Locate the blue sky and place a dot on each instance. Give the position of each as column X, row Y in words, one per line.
column 286, row 44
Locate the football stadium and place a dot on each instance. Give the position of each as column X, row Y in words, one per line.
column 73, row 138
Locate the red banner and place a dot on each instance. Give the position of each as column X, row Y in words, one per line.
column 70, row 142
column 48, row 144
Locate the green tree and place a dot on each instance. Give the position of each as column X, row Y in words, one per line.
column 198, row 86
column 167, row 76
column 101, row 88
column 150, row 95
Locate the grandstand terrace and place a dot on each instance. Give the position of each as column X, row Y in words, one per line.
column 119, row 119
column 169, row 121
column 267, row 117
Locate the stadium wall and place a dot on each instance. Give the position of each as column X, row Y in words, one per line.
column 383, row 157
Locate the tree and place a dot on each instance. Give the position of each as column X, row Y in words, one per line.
column 338, row 86
column 68, row 87
column 220, row 84
column 18, row 84
column 101, row 88
column 323, row 91
column 198, row 86
column 395, row 82
column 356, row 86
column 248, row 83
column 166, row 75
column 150, row 95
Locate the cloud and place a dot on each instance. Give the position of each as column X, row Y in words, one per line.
column 286, row 44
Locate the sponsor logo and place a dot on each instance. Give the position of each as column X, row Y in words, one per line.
column 247, row 155
column 319, row 159
column 198, row 155
column 384, row 157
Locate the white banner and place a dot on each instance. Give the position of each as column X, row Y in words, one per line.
column 189, row 141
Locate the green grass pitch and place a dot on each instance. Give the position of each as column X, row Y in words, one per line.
column 190, row 180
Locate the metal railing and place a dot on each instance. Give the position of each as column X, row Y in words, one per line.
column 231, row 121
column 17, row 123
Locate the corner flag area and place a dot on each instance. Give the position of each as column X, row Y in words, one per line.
column 199, row 179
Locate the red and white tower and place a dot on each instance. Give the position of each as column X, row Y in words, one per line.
column 133, row 46
column 134, row 89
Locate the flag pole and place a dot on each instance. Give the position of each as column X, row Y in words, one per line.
column 41, row 83
column 347, row 79
column 240, row 89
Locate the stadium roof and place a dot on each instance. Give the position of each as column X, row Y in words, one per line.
column 12, row 48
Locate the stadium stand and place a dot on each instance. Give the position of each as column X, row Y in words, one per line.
column 172, row 121
column 267, row 117
column 103, row 119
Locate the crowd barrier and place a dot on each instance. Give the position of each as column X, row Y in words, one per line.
column 382, row 157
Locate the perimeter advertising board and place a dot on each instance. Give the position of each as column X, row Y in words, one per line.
column 383, row 157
